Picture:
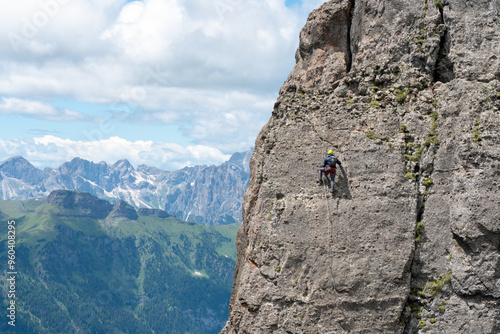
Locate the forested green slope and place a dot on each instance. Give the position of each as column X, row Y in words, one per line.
column 77, row 274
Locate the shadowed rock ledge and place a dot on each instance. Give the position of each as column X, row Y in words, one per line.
column 408, row 95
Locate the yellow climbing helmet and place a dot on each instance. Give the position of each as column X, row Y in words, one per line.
column 330, row 152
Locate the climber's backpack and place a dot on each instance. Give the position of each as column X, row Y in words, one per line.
column 332, row 164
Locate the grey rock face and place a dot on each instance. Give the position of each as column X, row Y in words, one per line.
column 410, row 241
column 204, row 194
column 324, row 54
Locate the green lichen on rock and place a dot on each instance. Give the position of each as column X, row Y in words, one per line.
column 431, row 139
column 402, row 128
column 476, row 134
column 419, row 232
column 374, row 104
column 414, row 157
column 428, row 182
column 442, row 308
column 373, row 136
column 434, row 287
column 401, row 95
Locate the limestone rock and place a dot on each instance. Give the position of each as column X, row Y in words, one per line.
column 410, row 241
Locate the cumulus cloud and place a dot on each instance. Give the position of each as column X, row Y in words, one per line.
column 97, row 50
column 9, row 106
column 212, row 67
column 228, row 120
column 51, row 151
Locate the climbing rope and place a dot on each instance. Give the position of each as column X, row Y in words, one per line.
column 329, row 252
column 330, row 235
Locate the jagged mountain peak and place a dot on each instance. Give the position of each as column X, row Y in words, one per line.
column 16, row 159
column 81, row 161
column 242, row 159
column 150, row 170
column 20, row 168
column 123, row 165
column 81, row 165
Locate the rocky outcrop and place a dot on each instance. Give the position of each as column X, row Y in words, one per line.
column 79, row 204
column 408, row 96
column 123, row 210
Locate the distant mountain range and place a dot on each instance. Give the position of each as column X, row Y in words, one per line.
column 85, row 265
column 209, row 195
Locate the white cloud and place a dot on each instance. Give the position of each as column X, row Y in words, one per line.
column 229, row 121
column 144, row 31
column 131, row 12
column 212, row 66
column 51, row 151
column 198, row 43
column 14, row 106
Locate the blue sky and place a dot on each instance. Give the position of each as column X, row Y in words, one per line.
column 291, row 3
column 167, row 83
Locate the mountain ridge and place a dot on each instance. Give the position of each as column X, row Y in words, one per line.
column 205, row 194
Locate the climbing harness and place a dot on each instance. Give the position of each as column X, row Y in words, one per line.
column 330, row 170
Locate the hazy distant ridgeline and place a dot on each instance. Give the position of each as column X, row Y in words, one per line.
column 209, row 195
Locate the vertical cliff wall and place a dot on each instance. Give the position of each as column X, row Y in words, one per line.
column 407, row 94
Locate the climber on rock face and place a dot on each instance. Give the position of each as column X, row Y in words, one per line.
column 329, row 167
